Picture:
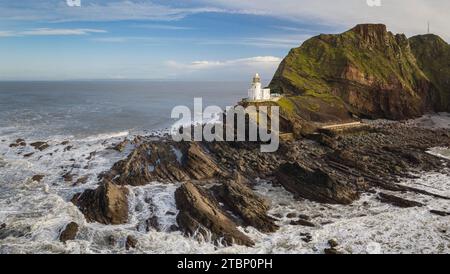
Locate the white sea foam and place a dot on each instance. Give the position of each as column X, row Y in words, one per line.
column 35, row 212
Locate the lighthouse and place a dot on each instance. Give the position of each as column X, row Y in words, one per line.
column 256, row 92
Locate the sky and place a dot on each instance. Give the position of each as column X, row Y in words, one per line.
column 225, row 40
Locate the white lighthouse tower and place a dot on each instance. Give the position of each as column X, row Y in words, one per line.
column 256, row 92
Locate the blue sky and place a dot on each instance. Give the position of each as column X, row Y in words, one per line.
column 185, row 40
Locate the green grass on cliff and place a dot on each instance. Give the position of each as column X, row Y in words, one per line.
column 433, row 56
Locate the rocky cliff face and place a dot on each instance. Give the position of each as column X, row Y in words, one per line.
column 367, row 71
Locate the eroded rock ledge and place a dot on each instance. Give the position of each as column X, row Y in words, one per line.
column 200, row 214
column 108, row 204
column 217, row 196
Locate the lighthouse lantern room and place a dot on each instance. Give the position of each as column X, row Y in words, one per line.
column 256, row 92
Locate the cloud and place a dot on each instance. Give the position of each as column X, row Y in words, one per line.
column 406, row 16
column 258, row 61
column 234, row 69
column 97, row 11
column 49, row 32
column 163, row 27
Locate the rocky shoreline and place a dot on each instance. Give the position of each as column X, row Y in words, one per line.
column 217, row 198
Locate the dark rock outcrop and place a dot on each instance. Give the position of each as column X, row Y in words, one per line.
column 165, row 162
column 37, row 178
column 108, row 204
column 200, row 213
column 237, row 196
column 397, row 201
column 131, row 242
column 440, row 213
column 69, row 233
column 40, row 145
column 302, row 222
column 315, row 185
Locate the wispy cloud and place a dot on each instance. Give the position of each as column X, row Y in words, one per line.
column 50, row 32
column 407, row 16
column 258, row 61
column 163, row 27
column 112, row 10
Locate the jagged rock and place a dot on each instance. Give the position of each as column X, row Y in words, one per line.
column 120, row 147
column 82, row 180
column 333, row 243
column 304, row 217
column 131, row 242
column 37, row 178
column 28, row 155
column 165, row 162
column 40, row 145
column 6, row 232
column 69, row 233
column 315, row 185
column 108, row 204
column 302, row 223
column 68, row 177
column 397, row 201
column 199, row 212
column 331, row 251
column 291, row 215
column 153, row 223
column 237, row 196
column 440, row 213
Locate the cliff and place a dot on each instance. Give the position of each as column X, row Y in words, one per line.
column 366, row 71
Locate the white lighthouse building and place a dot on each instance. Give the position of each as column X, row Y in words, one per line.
column 256, row 92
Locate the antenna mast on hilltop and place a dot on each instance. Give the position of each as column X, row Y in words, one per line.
column 428, row 27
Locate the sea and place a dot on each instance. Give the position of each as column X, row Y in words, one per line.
column 90, row 117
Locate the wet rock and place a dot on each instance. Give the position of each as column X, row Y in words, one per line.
column 111, row 240
column 304, row 217
column 28, row 155
column 333, row 243
column 108, row 204
column 291, row 215
column 331, row 251
column 69, row 233
column 18, row 143
column 68, row 177
column 199, row 212
column 153, row 223
column 306, row 237
column 440, row 213
column 40, row 145
column 6, row 232
column 68, row 148
column 82, row 180
column 120, row 147
column 131, row 242
column 315, row 185
column 238, row 197
column 65, row 143
column 165, row 162
column 37, row 178
column 302, row 223
column 397, row 201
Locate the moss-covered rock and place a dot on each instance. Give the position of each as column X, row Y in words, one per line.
column 367, row 71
